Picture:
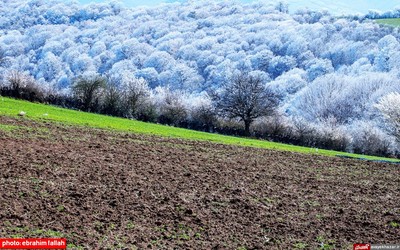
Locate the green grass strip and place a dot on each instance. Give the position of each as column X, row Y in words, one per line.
column 12, row 107
column 389, row 21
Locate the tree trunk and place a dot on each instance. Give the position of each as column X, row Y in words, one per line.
column 247, row 127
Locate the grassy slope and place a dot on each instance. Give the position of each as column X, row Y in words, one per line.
column 389, row 21
column 11, row 107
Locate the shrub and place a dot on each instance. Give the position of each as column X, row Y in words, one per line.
column 203, row 118
column 147, row 112
column 135, row 98
column 171, row 108
column 112, row 101
column 61, row 100
column 332, row 138
column 273, row 128
column 370, row 140
column 22, row 86
column 88, row 91
column 229, row 127
column 303, row 132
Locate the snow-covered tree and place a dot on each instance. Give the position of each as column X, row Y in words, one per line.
column 135, row 94
column 389, row 105
column 322, row 67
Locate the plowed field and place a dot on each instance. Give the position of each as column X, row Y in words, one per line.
column 109, row 190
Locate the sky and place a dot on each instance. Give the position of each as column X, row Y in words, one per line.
column 336, row 7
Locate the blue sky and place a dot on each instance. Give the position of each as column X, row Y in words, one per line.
column 338, row 6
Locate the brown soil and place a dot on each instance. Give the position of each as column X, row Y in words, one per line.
column 108, row 190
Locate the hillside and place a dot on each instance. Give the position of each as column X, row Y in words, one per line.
column 191, row 46
column 338, row 8
column 40, row 112
column 345, row 7
column 116, row 190
column 329, row 73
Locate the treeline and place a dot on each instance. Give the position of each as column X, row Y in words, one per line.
column 134, row 99
column 373, row 14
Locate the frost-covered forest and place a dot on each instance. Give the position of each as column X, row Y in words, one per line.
column 331, row 74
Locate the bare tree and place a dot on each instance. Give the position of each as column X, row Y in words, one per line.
column 112, row 99
column 246, row 97
column 136, row 92
column 16, row 82
column 23, row 86
column 88, row 91
column 203, row 118
column 172, row 110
